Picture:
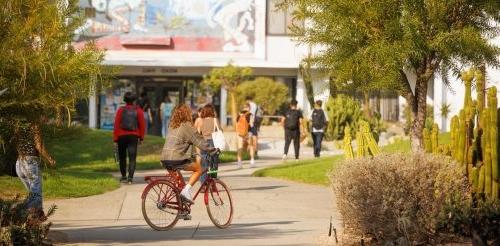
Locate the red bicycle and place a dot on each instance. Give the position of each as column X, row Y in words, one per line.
column 162, row 205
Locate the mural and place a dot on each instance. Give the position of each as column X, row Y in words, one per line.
column 189, row 25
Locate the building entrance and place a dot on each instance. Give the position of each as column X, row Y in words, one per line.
column 156, row 92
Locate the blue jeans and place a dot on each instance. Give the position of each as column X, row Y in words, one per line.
column 317, row 139
column 28, row 170
column 164, row 126
column 205, row 162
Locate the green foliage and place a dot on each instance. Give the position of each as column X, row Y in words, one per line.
column 407, row 115
column 41, row 69
column 374, row 44
column 228, row 77
column 19, row 226
column 345, row 111
column 398, row 198
column 267, row 93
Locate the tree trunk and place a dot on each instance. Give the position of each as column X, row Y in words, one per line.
column 366, row 105
column 419, row 113
column 234, row 107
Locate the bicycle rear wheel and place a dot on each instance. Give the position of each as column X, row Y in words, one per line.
column 161, row 205
column 219, row 204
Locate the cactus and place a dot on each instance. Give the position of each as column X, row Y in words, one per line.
column 467, row 77
column 360, row 152
column 493, row 135
column 480, row 85
column 348, row 152
column 461, row 138
column 480, row 185
column 427, row 141
column 368, row 138
column 434, row 138
column 475, row 178
column 486, row 153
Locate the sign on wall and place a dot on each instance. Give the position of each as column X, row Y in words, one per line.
column 181, row 25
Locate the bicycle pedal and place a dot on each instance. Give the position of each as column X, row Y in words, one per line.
column 187, row 217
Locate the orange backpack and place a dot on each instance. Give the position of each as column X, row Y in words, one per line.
column 242, row 125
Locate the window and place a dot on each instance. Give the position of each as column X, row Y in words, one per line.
column 278, row 20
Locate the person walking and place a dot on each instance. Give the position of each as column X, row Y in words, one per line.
column 206, row 124
column 166, row 108
column 31, row 151
column 242, row 130
column 128, row 132
column 145, row 104
column 255, row 120
column 319, row 122
column 292, row 123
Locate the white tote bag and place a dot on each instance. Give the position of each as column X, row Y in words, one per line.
column 218, row 137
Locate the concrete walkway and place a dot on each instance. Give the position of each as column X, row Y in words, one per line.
column 267, row 212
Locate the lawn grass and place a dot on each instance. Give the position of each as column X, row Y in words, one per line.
column 84, row 162
column 315, row 171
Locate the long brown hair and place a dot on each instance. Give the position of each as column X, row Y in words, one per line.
column 208, row 111
column 182, row 113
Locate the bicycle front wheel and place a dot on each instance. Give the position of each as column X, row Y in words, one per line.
column 161, row 205
column 219, row 204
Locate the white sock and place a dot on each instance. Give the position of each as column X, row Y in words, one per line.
column 187, row 188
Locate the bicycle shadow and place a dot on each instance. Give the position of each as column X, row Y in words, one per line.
column 144, row 234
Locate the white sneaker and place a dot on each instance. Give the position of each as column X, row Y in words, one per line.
column 239, row 165
column 284, row 157
column 186, row 195
column 252, row 163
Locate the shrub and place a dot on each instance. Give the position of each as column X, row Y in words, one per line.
column 19, row 226
column 345, row 111
column 267, row 93
column 399, row 198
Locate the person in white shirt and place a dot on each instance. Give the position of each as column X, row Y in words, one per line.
column 254, row 127
column 319, row 122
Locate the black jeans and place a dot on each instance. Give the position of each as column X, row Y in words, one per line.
column 127, row 143
column 295, row 136
column 317, row 138
column 205, row 163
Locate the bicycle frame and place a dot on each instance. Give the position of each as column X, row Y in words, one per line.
column 177, row 180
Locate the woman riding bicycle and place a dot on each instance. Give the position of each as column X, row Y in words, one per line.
column 178, row 150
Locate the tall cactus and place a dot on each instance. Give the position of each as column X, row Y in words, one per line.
column 348, row 152
column 360, row 151
column 480, row 90
column 434, row 138
column 486, row 143
column 427, row 140
column 467, row 77
column 493, row 135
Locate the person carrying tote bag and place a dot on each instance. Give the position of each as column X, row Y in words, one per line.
column 207, row 125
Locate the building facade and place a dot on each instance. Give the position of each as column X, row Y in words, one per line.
column 165, row 47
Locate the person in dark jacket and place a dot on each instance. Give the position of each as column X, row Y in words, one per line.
column 128, row 132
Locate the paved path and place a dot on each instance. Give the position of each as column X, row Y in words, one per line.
column 267, row 212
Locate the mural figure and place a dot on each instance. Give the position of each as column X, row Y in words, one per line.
column 194, row 25
column 224, row 13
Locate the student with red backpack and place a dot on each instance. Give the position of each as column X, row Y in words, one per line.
column 242, row 129
column 128, row 132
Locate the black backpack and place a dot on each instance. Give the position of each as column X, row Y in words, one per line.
column 292, row 119
column 129, row 119
column 318, row 119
